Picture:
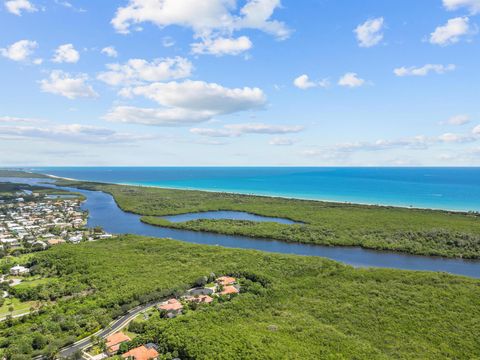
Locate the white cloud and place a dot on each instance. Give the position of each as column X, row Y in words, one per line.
column 186, row 103
column 66, row 54
column 351, row 80
column 205, row 18
column 17, row 6
column 455, row 138
column 136, row 71
column 156, row 117
column 71, row 133
column 279, row 141
column 370, row 32
column 424, row 70
column 201, row 96
column 235, row 130
column 110, row 51
column 15, row 119
column 19, row 51
column 451, row 32
column 472, row 5
column 303, row 82
column 222, row 46
column 69, row 86
column 476, row 130
column 458, row 120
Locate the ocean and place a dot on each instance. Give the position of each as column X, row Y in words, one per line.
column 437, row 188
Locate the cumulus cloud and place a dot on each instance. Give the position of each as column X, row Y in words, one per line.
column 185, row 103
column 455, row 138
column 71, row 133
column 235, row 130
column 472, row 5
column 66, row 53
column 110, row 51
column 69, row 86
column 451, row 32
column 303, row 82
column 424, row 70
column 18, row 6
column 136, row 71
column 370, row 32
column 461, row 119
column 476, row 130
column 351, row 80
column 210, row 20
column 222, row 46
column 19, row 51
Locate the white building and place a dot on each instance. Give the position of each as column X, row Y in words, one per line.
column 19, row 270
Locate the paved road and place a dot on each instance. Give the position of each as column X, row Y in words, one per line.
column 115, row 326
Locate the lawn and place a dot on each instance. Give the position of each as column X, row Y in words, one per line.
column 18, row 307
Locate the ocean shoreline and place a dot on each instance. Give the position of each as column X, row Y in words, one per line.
column 269, row 196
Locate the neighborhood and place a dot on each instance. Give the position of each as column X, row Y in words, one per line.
column 117, row 345
column 44, row 221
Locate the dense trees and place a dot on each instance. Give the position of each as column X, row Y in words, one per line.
column 290, row 306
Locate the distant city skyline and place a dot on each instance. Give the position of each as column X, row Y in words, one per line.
column 239, row 83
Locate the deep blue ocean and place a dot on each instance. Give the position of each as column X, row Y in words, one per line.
column 438, row 188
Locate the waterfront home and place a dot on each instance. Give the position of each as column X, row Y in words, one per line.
column 144, row 352
column 228, row 290
column 226, row 280
column 19, row 270
column 172, row 307
column 199, row 299
column 114, row 341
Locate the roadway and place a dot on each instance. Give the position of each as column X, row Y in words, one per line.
column 115, row 326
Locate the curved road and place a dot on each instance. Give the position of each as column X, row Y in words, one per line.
column 115, row 326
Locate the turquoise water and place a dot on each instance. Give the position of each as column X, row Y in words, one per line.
column 439, row 188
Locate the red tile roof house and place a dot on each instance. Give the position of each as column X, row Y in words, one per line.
column 114, row 341
column 173, row 307
column 144, row 352
column 227, row 290
column 226, row 280
column 200, row 299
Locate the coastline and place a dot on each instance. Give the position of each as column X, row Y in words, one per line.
column 270, row 196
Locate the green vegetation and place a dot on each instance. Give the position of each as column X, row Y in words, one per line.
column 14, row 307
column 422, row 232
column 20, row 174
column 309, row 308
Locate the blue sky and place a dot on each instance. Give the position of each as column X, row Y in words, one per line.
column 225, row 82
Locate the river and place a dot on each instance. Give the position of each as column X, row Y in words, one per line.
column 104, row 212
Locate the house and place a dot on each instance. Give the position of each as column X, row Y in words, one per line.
column 39, row 244
column 226, row 280
column 52, row 242
column 144, row 352
column 227, row 290
column 199, row 299
column 173, row 307
column 114, row 341
column 19, row 270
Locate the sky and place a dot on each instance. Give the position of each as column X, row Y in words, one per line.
column 239, row 83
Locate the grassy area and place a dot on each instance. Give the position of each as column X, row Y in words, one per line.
column 310, row 308
column 20, row 174
column 18, row 307
column 423, row 232
column 30, row 283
